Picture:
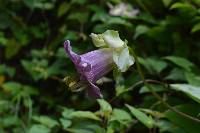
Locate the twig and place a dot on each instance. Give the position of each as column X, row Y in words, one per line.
column 138, row 84
column 157, row 96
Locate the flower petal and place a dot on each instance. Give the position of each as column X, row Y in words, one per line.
column 97, row 39
column 101, row 63
column 73, row 56
column 112, row 39
column 94, row 91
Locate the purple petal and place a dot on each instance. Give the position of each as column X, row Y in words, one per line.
column 94, row 91
column 91, row 66
column 73, row 56
column 101, row 63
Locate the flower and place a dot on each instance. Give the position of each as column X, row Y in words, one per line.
column 123, row 10
column 91, row 66
column 121, row 55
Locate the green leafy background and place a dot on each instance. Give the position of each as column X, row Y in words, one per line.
column 163, row 33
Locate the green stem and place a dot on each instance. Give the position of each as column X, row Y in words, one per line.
column 156, row 95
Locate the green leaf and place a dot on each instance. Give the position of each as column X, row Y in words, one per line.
column 86, row 127
column 142, row 117
column 100, row 16
column 84, row 114
column 80, row 17
column 10, row 120
column 6, row 20
column 166, row 2
column 121, row 116
column 120, row 89
column 63, row 8
column 66, row 113
column 112, row 39
column 195, row 28
column 54, row 69
column 12, row 48
column 193, row 79
column 187, row 125
column 12, row 87
column 4, row 69
column 153, row 65
column 140, row 29
column 36, row 68
column 118, row 21
column 45, row 120
column 180, row 5
column 29, row 3
column 181, row 62
column 104, row 106
column 176, row 74
column 166, row 126
column 157, row 88
column 191, row 91
column 39, row 129
column 122, row 58
column 65, row 123
column 81, row 2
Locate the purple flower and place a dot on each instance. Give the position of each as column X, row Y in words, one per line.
column 91, row 67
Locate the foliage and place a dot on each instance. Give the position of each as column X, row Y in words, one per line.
column 163, row 33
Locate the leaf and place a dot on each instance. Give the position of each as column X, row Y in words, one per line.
column 36, row 68
column 140, row 29
column 81, row 17
column 153, row 65
column 191, row 91
column 12, row 87
column 66, row 113
column 122, row 58
column 180, row 5
column 176, row 74
column 181, row 62
column 11, row 121
column 121, row 116
column 2, row 79
column 166, row 2
column 63, row 8
column 12, row 48
column 195, row 28
column 54, row 69
column 84, row 114
column 6, row 20
column 45, row 120
column 121, row 89
column 104, row 106
column 65, row 123
column 29, row 3
column 166, row 126
column 39, row 129
column 157, row 88
column 4, row 69
column 187, row 125
column 100, row 16
column 193, row 79
column 81, row 2
column 86, row 127
column 142, row 117
column 118, row 21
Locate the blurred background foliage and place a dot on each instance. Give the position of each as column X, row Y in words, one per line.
column 163, row 33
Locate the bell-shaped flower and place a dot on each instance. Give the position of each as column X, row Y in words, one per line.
column 91, row 66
